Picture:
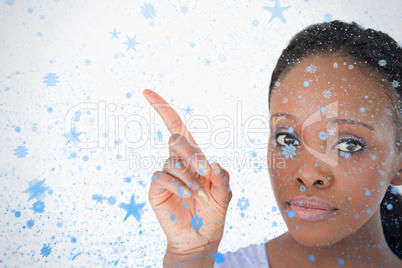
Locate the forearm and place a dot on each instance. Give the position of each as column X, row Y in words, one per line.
column 204, row 258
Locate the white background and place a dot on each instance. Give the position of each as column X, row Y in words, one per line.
column 73, row 40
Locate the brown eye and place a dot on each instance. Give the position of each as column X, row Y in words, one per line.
column 349, row 145
column 284, row 138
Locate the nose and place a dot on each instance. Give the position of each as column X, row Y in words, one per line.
column 313, row 176
column 310, row 183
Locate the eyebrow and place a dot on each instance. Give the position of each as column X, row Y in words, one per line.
column 336, row 120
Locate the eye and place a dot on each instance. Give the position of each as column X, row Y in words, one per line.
column 285, row 138
column 350, row 145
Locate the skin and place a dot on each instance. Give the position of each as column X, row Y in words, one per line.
column 350, row 233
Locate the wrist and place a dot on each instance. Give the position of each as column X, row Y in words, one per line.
column 200, row 257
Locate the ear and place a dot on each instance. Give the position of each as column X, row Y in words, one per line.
column 397, row 180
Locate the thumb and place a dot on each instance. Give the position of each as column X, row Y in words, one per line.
column 220, row 189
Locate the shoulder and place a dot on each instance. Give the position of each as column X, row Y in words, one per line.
column 250, row 256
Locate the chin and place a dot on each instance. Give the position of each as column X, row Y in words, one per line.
column 321, row 233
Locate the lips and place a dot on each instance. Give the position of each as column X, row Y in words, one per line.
column 311, row 202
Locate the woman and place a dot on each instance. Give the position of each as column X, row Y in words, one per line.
column 335, row 114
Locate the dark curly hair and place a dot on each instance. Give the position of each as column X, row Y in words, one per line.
column 367, row 47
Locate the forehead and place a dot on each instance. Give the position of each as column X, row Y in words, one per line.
column 321, row 80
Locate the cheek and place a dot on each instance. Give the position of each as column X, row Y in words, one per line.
column 362, row 189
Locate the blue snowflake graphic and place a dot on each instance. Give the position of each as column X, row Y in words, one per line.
column 159, row 135
column 382, row 63
column 50, row 79
column 302, row 188
column 276, row 11
column 221, row 58
column 256, row 22
column 72, row 136
column 288, row 151
column 196, row 222
column 38, row 206
column 21, row 151
column 46, row 250
column 323, row 135
column 111, row 200
column 114, row 34
column 131, row 43
column 311, row 258
column 9, row 2
column 188, row 111
column 207, row 62
column 327, row 93
column 98, row 198
column 132, row 209
column 148, row 11
column 243, row 203
column 36, row 189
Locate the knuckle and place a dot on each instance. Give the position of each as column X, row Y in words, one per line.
column 175, row 139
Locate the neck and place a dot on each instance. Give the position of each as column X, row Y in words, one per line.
column 365, row 246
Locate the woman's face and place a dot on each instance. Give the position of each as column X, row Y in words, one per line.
column 354, row 176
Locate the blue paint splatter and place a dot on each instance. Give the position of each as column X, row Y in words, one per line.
column 76, row 255
column 369, row 211
column 159, row 135
column 50, row 79
column 17, row 214
column 127, row 179
column 341, row 262
column 183, row 9
column 368, row 193
column 219, row 258
column 173, row 217
column 389, row 206
column 30, row 223
column 311, row 258
column 128, row 95
column 306, row 83
column 38, row 206
column 37, row 189
column 49, row 109
column 21, row 151
column 17, row 129
column 85, row 158
column 196, row 222
column 46, row 250
column 132, row 209
column 291, row 214
column 73, row 239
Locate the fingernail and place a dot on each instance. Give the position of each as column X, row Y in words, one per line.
column 217, row 168
column 203, row 195
column 203, row 167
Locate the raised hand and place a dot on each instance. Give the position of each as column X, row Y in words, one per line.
column 190, row 223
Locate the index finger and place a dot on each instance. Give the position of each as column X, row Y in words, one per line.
column 169, row 115
column 175, row 125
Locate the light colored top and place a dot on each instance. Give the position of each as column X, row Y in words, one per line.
column 254, row 256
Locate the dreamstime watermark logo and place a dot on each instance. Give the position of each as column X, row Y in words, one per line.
column 113, row 131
